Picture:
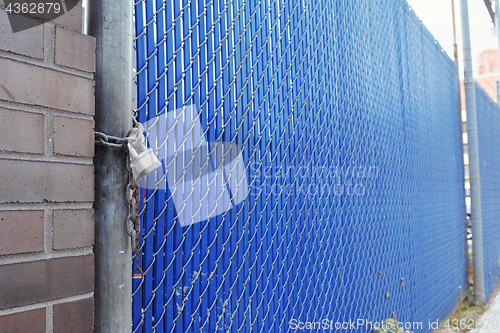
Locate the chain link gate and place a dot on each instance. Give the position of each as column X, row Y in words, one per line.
column 312, row 167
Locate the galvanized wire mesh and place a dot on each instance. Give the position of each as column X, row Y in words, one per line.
column 347, row 119
column 488, row 124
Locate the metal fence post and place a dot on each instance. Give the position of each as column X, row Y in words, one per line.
column 475, row 185
column 497, row 87
column 455, row 47
column 110, row 22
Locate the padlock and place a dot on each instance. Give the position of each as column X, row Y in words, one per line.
column 143, row 160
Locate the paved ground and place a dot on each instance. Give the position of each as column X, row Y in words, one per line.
column 493, row 313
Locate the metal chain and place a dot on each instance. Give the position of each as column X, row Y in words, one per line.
column 138, row 273
column 110, row 141
column 117, row 142
column 133, row 197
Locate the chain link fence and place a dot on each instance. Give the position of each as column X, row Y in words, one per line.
column 488, row 123
column 312, row 167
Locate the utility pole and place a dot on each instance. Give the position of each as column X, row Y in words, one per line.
column 475, row 184
column 110, row 22
column 455, row 47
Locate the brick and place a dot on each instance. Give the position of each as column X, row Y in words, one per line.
column 73, row 136
column 32, row 321
column 30, row 84
column 74, row 317
column 28, row 42
column 73, row 228
column 44, row 280
column 22, row 231
column 29, row 181
column 22, row 131
column 75, row 50
column 72, row 19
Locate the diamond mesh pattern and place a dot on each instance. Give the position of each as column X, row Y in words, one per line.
column 347, row 118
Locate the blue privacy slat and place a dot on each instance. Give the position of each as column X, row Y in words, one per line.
column 137, row 317
column 346, row 117
column 177, row 302
column 169, row 212
column 159, row 206
column 147, row 203
column 211, row 293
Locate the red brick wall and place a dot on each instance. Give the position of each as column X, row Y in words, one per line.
column 488, row 62
column 46, row 169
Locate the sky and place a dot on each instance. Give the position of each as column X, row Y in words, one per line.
column 437, row 17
